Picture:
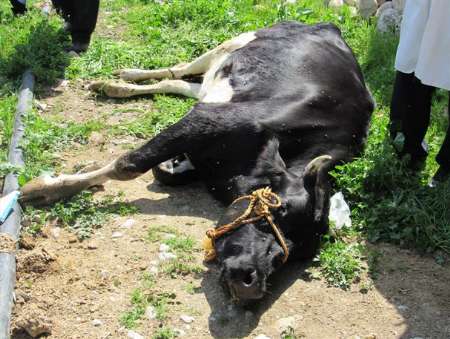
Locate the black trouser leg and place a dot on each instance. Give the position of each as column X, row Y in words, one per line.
column 17, row 7
column 401, row 101
column 443, row 157
column 82, row 16
column 417, row 118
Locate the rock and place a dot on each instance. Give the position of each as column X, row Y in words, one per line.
column 186, row 319
column 335, row 3
column 367, row 8
column 402, row 307
column 171, row 235
column 61, row 86
column 353, row 3
column 179, row 332
column 97, row 322
column 399, row 5
column 383, row 7
column 34, row 321
column 37, row 261
column 92, row 245
column 128, row 223
column 284, row 324
column 381, row 2
column 389, row 20
column 262, row 336
column 164, row 248
column 40, row 106
column 116, row 235
column 153, row 270
column 73, row 239
column 55, row 232
column 134, row 335
column 370, row 336
column 150, row 313
column 164, row 256
column 27, row 241
column 96, row 138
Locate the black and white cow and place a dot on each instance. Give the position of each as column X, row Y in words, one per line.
column 278, row 107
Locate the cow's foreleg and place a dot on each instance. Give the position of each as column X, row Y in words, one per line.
column 124, row 90
column 198, row 128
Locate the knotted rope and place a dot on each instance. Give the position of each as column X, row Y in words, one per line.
column 260, row 203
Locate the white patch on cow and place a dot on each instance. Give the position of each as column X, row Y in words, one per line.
column 178, row 167
column 214, row 87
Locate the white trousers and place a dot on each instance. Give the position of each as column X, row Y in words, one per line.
column 424, row 46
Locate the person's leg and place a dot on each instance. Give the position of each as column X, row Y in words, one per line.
column 416, row 121
column 400, row 102
column 18, row 6
column 443, row 157
column 83, row 20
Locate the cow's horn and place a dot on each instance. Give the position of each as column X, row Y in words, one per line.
column 316, row 164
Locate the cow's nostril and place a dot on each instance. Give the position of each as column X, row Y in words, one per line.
column 249, row 278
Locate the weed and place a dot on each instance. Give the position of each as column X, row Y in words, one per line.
column 340, row 263
column 158, row 233
column 82, row 213
column 164, row 333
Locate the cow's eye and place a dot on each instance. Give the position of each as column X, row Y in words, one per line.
column 233, row 249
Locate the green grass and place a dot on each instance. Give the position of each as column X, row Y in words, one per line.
column 145, row 296
column 82, row 213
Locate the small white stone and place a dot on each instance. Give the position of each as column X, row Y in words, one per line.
column 150, row 313
column 128, row 223
column 154, row 263
column 164, row 248
column 179, row 332
column 134, row 335
column 169, row 236
column 186, row 318
column 97, row 322
column 164, row 256
column 284, row 324
column 262, row 336
column 116, row 235
column 153, row 270
column 56, row 232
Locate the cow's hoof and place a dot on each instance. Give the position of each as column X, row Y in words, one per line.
column 46, row 190
column 129, row 74
column 110, row 89
column 174, row 172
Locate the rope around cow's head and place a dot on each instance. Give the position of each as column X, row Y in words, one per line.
column 260, row 203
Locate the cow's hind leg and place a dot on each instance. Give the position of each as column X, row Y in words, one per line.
column 197, row 67
column 125, row 90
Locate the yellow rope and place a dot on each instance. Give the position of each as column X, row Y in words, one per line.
column 261, row 201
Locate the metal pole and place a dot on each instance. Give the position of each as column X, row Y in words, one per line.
column 11, row 227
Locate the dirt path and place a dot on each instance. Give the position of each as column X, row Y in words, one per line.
column 83, row 288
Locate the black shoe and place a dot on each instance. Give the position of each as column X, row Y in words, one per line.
column 441, row 176
column 79, row 47
column 18, row 8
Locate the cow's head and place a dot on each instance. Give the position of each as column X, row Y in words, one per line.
column 248, row 255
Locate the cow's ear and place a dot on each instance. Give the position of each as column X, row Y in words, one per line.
column 270, row 164
column 317, row 184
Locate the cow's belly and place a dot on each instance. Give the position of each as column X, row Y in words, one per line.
column 215, row 87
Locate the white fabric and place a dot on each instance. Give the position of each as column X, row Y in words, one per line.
column 424, row 46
